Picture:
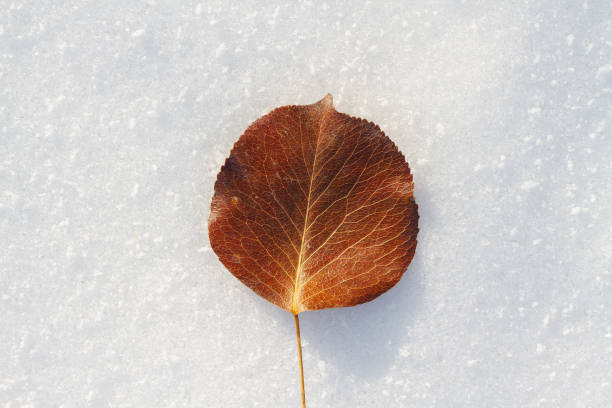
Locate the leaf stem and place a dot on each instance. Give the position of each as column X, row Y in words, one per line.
column 299, row 348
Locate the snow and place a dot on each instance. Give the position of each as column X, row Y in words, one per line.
column 115, row 118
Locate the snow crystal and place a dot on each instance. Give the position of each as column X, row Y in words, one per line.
column 529, row 184
column 138, row 33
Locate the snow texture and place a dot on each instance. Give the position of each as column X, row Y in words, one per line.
column 116, row 116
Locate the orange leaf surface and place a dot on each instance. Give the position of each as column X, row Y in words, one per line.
column 314, row 209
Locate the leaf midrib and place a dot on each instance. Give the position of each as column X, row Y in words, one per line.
column 298, row 272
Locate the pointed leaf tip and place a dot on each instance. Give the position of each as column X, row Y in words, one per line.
column 327, row 101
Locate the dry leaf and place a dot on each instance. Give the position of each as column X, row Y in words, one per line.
column 314, row 209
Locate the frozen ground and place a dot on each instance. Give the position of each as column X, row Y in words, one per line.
column 116, row 116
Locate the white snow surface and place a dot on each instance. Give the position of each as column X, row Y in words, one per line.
column 116, row 116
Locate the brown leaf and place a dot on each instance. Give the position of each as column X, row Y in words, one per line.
column 314, row 209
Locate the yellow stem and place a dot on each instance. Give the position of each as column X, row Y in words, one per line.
column 299, row 347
